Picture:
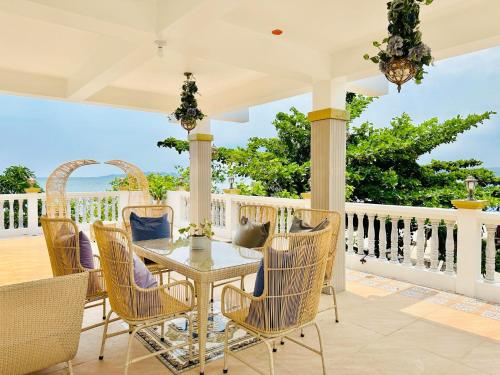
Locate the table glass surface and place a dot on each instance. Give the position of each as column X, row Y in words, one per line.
column 216, row 255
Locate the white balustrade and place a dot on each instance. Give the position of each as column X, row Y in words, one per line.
column 20, row 213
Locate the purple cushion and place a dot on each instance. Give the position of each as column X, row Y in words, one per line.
column 142, row 275
column 86, row 256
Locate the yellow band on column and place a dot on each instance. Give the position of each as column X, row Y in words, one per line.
column 328, row 113
column 200, row 137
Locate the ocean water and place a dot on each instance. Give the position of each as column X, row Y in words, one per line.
column 82, row 184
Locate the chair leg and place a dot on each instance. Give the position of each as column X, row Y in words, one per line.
column 104, row 309
column 190, row 337
column 302, row 332
column 335, row 304
column 271, row 359
column 242, row 283
column 275, row 349
column 162, row 328
column 321, row 348
column 129, row 349
column 226, row 347
column 104, row 335
column 212, row 292
column 70, row 368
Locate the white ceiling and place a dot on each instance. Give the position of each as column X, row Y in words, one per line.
column 103, row 51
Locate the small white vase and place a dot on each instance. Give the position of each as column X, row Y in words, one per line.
column 199, row 242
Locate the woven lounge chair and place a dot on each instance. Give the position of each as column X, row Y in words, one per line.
column 61, row 237
column 40, row 323
column 294, row 270
column 313, row 217
column 150, row 211
column 260, row 214
column 140, row 308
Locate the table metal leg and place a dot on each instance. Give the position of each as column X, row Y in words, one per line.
column 202, row 290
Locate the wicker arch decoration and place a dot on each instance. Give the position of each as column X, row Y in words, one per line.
column 55, row 188
column 134, row 173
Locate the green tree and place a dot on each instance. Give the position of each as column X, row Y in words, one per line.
column 15, row 179
column 382, row 163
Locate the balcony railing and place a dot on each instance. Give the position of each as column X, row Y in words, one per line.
column 413, row 244
column 447, row 249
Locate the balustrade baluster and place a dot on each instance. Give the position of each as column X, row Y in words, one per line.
column 360, row 234
column 106, row 208
column 382, row 239
column 20, row 214
column 44, row 206
column 99, row 208
column 394, row 240
column 371, row 235
column 11, row 214
column 450, row 247
column 84, row 211
column 435, row 244
column 282, row 220
column 490, row 253
column 420, row 238
column 407, row 241
column 350, row 233
column 2, row 218
column 76, row 204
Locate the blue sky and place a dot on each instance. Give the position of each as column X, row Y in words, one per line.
column 42, row 134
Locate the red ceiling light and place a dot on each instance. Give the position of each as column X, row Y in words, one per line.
column 277, row 32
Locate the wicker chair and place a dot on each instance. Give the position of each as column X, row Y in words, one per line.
column 61, row 236
column 260, row 214
column 294, row 269
column 150, row 211
column 40, row 323
column 313, row 217
column 140, row 308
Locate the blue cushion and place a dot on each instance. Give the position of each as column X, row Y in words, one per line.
column 149, row 228
column 258, row 289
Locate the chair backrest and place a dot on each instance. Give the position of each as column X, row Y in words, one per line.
column 117, row 261
column 260, row 214
column 62, row 239
column 148, row 211
column 294, row 267
column 61, row 235
column 40, row 322
column 313, row 217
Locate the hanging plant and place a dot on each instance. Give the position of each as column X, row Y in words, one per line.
column 404, row 55
column 188, row 112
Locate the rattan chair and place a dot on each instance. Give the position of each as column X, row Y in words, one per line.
column 151, row 211
column 40, row 323
column 313, row 217
column 61, row 236
column 140, row 308
column 294, row 269
column 259, row 214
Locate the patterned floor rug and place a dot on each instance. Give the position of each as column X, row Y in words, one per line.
column 176, row 333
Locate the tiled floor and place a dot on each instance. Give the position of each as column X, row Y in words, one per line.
column 386, row 327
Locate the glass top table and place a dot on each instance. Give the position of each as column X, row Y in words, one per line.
column 217, row 261
column 215, row 256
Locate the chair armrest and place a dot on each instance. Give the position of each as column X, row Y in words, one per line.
column 181, row 290
column 234, row 299
column 97, row 261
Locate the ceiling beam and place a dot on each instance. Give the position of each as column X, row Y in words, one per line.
column 135, row 99
column 22, row 83
column 106, row 65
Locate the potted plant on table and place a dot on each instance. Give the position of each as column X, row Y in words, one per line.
column 199, row 234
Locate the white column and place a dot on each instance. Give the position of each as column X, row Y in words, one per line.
column 328, row 149
column 468, row 246
column 32, row 212
column 200, row 175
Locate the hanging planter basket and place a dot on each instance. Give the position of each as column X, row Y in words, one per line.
column 188, row 112
column 399, row 71
column 188, row 124
column 402, row 55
